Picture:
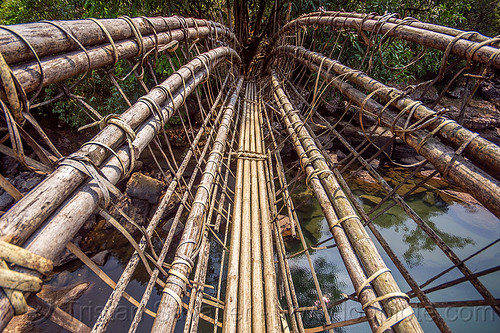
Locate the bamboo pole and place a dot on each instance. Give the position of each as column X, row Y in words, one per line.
column 375, row 313
column 271, row 291
column 392, row 18
column 22, row 219
column 47, row 39
column 258, row 321
column 245, row 275
column 168, row 309
column 482, row 152
column 480, row 52
column 359, row 238
column 68, row 219
column 231, row 317
column 109, row 308
column 63, row 66
column 472, row 179
column 359, row 98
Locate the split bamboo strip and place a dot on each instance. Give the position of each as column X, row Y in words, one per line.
column 363, row 245
column 23, row 218
column 482, row 152
column 60, row 67
column 110, row 306
column 65, row 222
column 258, row 321
column 271, row 291
column 245, row 303
column 47, row 39
column 231, row 317
column 168, row 309
column 480, row 52
column 472, row 179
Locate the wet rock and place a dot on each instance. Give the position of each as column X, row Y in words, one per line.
column 435, row 181
column 333, row 156
column 340, row 154
column 100, row 258
column 64, row 298
column 450, row 196
column 135, row 209
column 478, row 115
column 371, row 198
column 490, row 90
column 143, row 187
column 285, row 225
column 429, row 198
column 5, row 200
column 178, row 228
column 430, row 96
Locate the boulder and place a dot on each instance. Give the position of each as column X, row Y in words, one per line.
column 143, row 187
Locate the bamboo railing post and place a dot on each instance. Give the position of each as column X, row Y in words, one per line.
column 169, row 305
column 364, row 247
column 47, row 39
column 67, row 220
column 479, row 184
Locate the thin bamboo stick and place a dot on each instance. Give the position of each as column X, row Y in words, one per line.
column 112, row 302
column 258, row 321
column 271, row 294
column 231, row 317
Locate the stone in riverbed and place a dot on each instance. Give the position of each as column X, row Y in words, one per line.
column 143, row 187
column 285, row 225
column 429, row 198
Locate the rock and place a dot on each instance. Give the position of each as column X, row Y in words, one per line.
column 435, row 181
column 450, row 196
column 5, row 201
column 334, row 157
column 64, row 298
column 135, row 209
column 365, row 177
column 178, row 229
column 340, row 154
column 143, row 187
column 100, row 258
column 429, row 198
column 285, row 225
column 371, row 198
column 430, row 96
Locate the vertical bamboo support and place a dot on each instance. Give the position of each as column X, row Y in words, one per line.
column 363, row 245
column 175, row 285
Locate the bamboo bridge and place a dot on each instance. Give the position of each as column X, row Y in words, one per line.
column 230, row 202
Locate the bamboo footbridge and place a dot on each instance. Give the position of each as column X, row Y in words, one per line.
column 241, row 184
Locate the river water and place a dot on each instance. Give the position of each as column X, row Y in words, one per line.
column 465, row 228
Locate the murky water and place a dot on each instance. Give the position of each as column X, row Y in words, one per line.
column 465, row 228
